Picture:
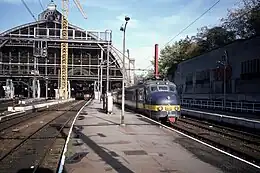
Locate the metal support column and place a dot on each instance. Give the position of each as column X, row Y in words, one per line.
column 69, row 90
column 38, row 89
column 46, row 88
column 28, row 90
column 34, row 78
column 129, row 66
column 122, row 122
column 123, row 85
column 225, row 82
column 98, row 83
column 101, row 73
column 81, row 63
column 108, row 52
column 133, row 60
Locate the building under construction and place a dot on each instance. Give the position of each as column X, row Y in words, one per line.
column 30, row 58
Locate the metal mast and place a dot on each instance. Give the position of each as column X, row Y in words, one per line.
column 64, row 47
column 64, row 51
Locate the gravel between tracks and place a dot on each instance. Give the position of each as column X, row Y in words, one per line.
column 38, row 142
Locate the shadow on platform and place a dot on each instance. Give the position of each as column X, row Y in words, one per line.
column 105, row 156
column 126, row 108
column 101, row 110
column 111, row 123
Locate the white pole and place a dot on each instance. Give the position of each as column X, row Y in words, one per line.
column 101, row 74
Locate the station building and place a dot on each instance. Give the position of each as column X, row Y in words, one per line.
column 202, row 77
column 31, row 52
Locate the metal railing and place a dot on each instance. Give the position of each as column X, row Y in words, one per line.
column 119, row 56
column 243, row 107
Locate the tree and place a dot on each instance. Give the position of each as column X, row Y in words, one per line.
column 244, row 21
column 205, row 40
column 171, row 55
column 209, row 39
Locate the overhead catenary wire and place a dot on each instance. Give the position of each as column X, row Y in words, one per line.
column 192, row 22
column 28, row 9
column 184, row 29
column 197, row 20
column 41, row 4
column 77, row 3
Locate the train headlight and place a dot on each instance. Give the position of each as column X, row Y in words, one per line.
column 177, row 108
column 160, row 108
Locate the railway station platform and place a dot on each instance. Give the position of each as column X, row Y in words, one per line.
column 100, row 144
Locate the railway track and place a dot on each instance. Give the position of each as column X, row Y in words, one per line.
column 239, row 143
column 4, row 105
column 35, row 143
column 25, row 116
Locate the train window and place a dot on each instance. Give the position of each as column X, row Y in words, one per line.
column 242, row 68
column 141, row 95
column 254, row 64
column 147, row 89
column 172, row 88
column 258, row 66
column 154, row 88
column 163, row 88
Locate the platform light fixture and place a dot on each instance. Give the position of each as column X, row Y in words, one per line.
column 123, row 28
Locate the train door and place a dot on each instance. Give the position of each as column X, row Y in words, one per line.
column 140, row 98
column 142, row 95
column 148, row 101
column 146, row 107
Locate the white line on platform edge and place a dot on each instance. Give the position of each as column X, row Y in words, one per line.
column 68, row 138
column 204, row 143
column 8, row 115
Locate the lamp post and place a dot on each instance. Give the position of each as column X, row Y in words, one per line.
column 123, row 28
column 101, row 75
column 225, row 64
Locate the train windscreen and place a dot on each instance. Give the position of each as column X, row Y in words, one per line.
column 154, row 88
column 172, row 88
column 163, row 88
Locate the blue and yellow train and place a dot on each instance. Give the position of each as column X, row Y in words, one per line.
column 157, row 99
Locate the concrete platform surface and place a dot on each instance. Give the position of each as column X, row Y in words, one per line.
column 37, row 105
column 99, row 144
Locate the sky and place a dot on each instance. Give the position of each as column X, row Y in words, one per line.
column 152, row 21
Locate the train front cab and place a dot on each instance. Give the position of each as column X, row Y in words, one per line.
column 166, row 113
column 163, row 106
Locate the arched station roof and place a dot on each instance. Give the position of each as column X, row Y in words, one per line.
column 51, row 17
